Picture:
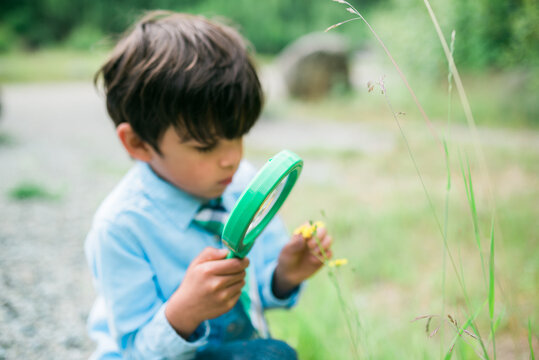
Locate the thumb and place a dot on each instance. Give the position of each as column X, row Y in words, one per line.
column 209, row 254
column 296, row 244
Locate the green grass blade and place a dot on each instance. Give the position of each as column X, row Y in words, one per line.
column 491, row 274
column 532, row 356
column 475, row 218
column 491, row 289
column 446, row 225
column 464, row 101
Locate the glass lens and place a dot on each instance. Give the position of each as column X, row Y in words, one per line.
column 268, row 203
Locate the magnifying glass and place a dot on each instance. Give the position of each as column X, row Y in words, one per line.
column 260, row 202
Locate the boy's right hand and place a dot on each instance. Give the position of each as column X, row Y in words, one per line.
column 211, row 287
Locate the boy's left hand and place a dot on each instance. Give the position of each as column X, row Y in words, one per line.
column 300, row 258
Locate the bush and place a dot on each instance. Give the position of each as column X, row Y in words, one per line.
column 84, row 37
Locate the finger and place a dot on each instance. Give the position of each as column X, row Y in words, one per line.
column 313, row 244
column 210, row 254
column 219, row 283
column 233, row 280
column 296, row 243
column 316, row 261
column 323, row 247
column 327, row 254
column 326, row 242
column 321, row 232
column 233, row 298
column 228, row 266
column 233, row 289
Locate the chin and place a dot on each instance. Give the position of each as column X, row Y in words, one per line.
column 212, row 195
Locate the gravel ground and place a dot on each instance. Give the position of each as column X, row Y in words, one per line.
column 56, row 136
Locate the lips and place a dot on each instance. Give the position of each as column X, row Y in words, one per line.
column 226, row 181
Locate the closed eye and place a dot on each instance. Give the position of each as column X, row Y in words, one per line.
column 206, row 148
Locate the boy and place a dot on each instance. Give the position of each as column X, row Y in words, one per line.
column 182, row 92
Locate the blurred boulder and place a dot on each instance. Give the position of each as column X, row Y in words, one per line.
column 315, row 65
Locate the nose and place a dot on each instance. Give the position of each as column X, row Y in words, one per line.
column 232, row 153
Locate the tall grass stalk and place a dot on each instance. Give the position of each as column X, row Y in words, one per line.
column 348, row 311
column 468, row 184
column 468, row 180
column 532, row 355
column 354, row 11
column 464, row 101
column 491, row 290
column 470, row 195
column 448, row 184
column 462, row 330
column 431, row 204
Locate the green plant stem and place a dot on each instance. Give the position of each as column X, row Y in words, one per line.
column 491, row 290
column 469, row 116
column 463, row 99
column 461, row 330
column 532, row 355
column 448, row 185
column 344, row 307
column 468, row 183
column 353, row 10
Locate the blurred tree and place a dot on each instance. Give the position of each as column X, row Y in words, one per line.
column 270, row 24
column 491, row 32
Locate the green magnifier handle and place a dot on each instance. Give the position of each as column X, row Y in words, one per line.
column 231, row 255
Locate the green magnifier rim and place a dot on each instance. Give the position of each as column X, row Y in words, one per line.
column 285, row 164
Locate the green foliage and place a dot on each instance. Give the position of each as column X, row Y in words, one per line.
column 30, row 190
column 489, row 34
column 84, row 37
column 269, row 25
column 8, row 38
column 524, row 46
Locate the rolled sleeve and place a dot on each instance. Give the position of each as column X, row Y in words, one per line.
column 166, row 342
column 268, row 297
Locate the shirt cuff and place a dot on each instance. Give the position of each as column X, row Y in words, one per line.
column 170, row 343
column 269, row 298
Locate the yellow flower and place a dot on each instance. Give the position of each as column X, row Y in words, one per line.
column 307, row 230
column 338, row 262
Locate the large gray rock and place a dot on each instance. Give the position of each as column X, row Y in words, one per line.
column 315, row 64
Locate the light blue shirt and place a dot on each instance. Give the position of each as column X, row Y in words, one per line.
column 139, row 247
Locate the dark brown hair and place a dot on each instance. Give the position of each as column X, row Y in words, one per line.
column 183, row 71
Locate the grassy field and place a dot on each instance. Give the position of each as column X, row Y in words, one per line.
column 378, row 213
column 51, row 65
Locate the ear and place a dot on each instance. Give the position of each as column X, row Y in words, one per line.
column 134, row 145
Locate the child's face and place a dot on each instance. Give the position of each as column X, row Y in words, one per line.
column 199, row 170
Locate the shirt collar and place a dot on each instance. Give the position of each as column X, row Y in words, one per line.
column 180, row 206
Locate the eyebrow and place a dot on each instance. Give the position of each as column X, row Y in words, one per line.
column 211, row 143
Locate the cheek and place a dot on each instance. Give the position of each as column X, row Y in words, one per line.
column 197, row 171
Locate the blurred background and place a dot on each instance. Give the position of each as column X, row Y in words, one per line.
column 60, row 158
